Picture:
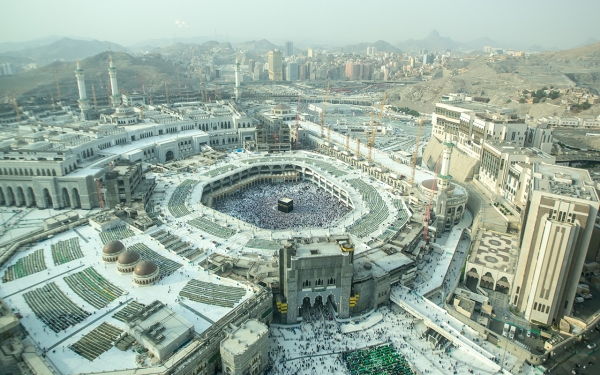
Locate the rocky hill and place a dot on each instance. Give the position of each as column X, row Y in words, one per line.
column 65, row 49
column 131, row 72
column 262, row 45
column 381, row 45
column 500, row 80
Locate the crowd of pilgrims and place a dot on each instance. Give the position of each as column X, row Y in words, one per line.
column 257, row 205
column 317, row 345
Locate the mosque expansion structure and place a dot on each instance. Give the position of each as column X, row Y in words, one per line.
column 194, row 238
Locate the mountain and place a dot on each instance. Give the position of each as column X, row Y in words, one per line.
column 150, row 44
column 499, row 80
column 381, row 45
column 588, row 41
column 478, row 44
column 257, row 45
column 131, row 72
column 17, row 46
column 433, row 42
column 66, row 49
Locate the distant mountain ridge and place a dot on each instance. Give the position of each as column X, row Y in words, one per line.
column 66, row 49
column 257, row 45
column 381, row 45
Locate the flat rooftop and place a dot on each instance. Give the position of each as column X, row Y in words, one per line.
column 168, row 288
column 495, row 250
column 244, row 336
column 564, row 181
column 318, row 249
column 379, row 262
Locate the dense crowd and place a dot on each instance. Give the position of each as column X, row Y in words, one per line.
column 257, row 205
column 318, row 346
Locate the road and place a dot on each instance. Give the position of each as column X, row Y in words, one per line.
column 580, row 356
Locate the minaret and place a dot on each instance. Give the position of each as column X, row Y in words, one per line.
column 237, row 80
column 84, row 103
column 115, row 98
column 444, row 178
column 443, row 183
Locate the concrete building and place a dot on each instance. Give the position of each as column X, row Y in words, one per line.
column 275, row 65
column 289, row 49
column 245, row 350
column 315, row 272
column 125, row 183
column 291, row 73
column 159, row 329
column 497, row 158
column 558, row 225
column 492, row 262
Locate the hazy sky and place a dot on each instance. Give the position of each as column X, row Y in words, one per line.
column 550, row 23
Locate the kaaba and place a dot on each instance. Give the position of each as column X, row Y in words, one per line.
column 285, row 205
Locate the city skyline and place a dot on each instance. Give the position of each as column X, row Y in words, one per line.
column 533, row 23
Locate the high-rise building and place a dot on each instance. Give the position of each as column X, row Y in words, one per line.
column 428, row 58
column 7, row 69
column 558, row 225
column 303, row 72
column 251, row 64
column 275, row 65
column 289, row 49
column 311, row 53
column 291, row 73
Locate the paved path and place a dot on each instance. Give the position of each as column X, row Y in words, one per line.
column 196, row 312
column 45, row 281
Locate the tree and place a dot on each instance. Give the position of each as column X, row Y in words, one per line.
column 554, row 94
column 536, row 100
column 522, row 100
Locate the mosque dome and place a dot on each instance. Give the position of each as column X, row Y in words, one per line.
column 128, row 257
column 145, row 268
column 113, row 247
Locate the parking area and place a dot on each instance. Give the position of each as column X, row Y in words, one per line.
column 588, row 307
column 534, row 342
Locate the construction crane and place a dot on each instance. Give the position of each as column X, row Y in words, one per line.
column 178, row 82
column 413, row 165
column 16, row 108
column 324, row 108
column 202, row 87
column 427, row 216
column 217, row 91
column 94, row 96
column 167, row 92
column 374, row 128
column 57, row 84
column 297, row 120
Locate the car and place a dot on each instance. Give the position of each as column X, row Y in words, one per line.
column 591, row 346
column 528, row 333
